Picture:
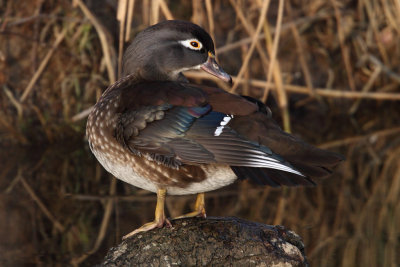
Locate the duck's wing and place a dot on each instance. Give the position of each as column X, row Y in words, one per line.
column 174, row 124
column 309, row 160
column 168, row 123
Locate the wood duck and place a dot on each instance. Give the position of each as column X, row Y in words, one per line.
column 155, row 130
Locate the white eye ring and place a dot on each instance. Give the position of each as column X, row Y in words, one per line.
column 193, row 44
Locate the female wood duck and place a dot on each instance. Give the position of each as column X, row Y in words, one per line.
column 155, row 130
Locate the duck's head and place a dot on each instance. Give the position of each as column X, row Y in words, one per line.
column 163, row 51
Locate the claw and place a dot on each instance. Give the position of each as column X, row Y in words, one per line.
column 148, row 226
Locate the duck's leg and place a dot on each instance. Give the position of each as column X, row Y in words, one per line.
column 160, row 218
column 199, row 208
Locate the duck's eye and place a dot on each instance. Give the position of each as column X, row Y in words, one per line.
column 193, row 44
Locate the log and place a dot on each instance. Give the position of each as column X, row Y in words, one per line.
column 215, row 241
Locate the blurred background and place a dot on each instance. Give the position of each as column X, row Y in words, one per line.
column 329, row 70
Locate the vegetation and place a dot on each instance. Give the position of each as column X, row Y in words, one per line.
column 329, row 70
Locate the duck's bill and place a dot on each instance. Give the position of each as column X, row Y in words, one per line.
column 211, row 66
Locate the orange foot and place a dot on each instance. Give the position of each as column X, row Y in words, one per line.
column 160, row 218
column 199, row 209
column 149, row 226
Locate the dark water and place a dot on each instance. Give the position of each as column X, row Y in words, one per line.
column 53, row 202
column 57, row 208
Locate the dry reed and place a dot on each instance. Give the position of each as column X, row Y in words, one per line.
column 328, row 69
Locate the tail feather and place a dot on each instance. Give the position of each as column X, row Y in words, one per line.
column 311, row 161
column 271, row 177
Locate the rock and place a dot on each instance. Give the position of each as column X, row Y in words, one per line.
column 214, row 241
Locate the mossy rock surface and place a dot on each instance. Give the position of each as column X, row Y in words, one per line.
column 211, row 242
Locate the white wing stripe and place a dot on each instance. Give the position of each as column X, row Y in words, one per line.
column 222, row 124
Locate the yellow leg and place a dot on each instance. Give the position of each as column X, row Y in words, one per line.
column 199, row 208
column 160, row 218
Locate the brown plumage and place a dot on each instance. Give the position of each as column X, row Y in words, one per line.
column 156, row 131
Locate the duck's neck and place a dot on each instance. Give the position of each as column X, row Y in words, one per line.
column 150, row 73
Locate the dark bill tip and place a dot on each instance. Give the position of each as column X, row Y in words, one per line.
column 211, row 66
